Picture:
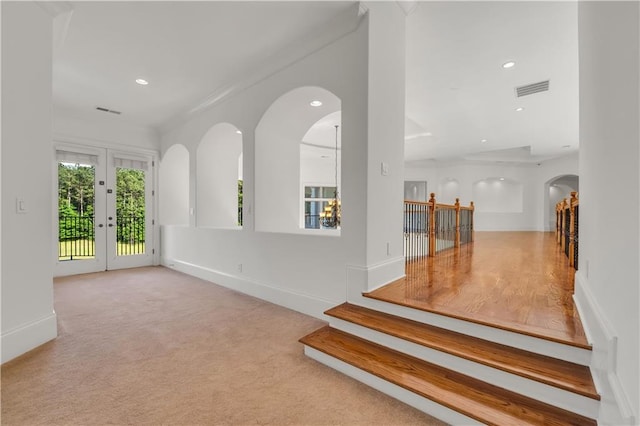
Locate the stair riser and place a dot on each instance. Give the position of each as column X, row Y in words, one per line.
column 533, row 389
column 423, row 404
column 503, row 337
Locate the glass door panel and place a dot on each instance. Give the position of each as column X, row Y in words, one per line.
column 80, row 242
column 104, row 211
column 129, row 212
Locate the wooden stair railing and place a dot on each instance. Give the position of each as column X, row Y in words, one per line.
column 567, row 213
column 430, row 227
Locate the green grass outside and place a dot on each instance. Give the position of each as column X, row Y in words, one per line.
column 85, row 249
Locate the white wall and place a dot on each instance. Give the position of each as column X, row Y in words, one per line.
column 217, row 177
column 557, row 193
column 319, row 170
column 448, row 190
column 524, row 212
column 607, row 282
column 28, row 318
column 98, row 128
column 302, row 271
column 546, row 173
column 174, row 183
column 385, row 134
column 277, row 158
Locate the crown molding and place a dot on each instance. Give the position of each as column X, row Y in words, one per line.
column 408, row 6
column 343, row 24
column 55, row 8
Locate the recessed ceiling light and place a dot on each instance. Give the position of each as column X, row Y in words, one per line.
column 519, row 109
column 509, row 64
column 238, row 132
column 501, row 178
column 142, row 81
column 483, row 140
column 315, row 103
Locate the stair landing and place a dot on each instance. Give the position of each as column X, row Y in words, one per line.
column 515, row 281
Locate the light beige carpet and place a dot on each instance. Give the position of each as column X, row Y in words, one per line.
column 154, row 346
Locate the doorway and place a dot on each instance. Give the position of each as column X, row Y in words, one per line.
column 556, row 190
column 104, row 213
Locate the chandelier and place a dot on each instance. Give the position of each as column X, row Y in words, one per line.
column 330, row 217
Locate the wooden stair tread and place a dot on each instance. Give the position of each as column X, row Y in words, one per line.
column 476, row 399
column 389, row 294
column 554, row 372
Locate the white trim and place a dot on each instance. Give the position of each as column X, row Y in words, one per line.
column 304, row 303
column 410, row 398
column 106, row 152
column 368, row 278
column 616, row 408
column 74, row 141
column 24, row 338
column 342, row 25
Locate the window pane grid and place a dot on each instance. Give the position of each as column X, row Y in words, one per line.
column 316, row 198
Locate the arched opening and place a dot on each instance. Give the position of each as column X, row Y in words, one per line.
column 219, row 177
column 320, row 176
column 290, row 140
column 174, row 187
column 556, row 190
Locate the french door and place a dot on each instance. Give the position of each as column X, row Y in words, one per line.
column 104, row 211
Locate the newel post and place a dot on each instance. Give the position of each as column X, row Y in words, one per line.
column 432, row 225
column 563, row 224
column 473, row 209
column 572, row 229
column 558, row 220
column 457, row 241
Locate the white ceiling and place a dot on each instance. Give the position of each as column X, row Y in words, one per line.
column 188, row 51
column 457, row 92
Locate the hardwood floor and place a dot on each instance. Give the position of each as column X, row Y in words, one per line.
column 517, row 281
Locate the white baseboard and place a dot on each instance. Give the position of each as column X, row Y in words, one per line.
column 304, row 303
column 615, row 406
column 368, row 278
column 29, row 336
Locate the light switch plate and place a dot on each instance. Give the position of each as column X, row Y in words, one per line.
column 21, row 206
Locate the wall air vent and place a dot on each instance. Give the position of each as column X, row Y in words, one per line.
column 530, row 89
column 108, row 110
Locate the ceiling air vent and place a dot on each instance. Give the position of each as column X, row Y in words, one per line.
column 108, row 110
column 530, row 89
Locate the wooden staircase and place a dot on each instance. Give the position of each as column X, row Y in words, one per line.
column 457, row 377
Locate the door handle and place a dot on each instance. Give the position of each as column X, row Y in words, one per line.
column 110, row 225
column 100, row 225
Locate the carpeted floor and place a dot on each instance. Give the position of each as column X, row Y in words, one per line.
column 153, row 346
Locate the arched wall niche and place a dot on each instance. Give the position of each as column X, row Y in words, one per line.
column 498, row 195
column 279, row 135
column 448, row 190
column 218, row 170
column 173, row 188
